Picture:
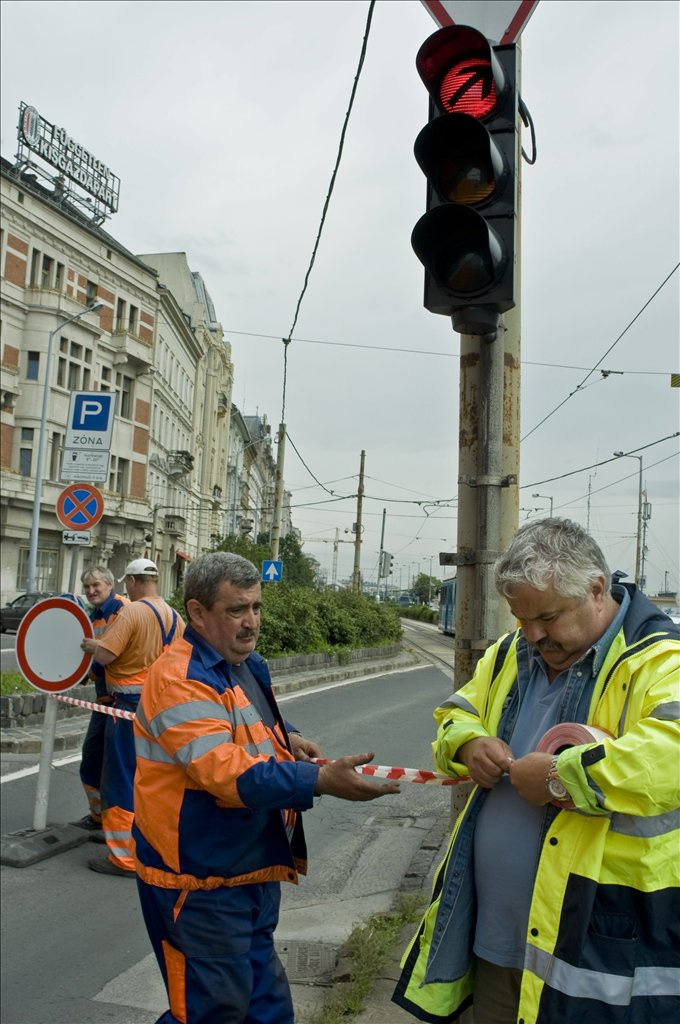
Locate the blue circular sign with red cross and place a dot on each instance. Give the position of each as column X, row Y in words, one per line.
column 79, row 507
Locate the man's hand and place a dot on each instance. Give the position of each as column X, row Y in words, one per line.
column 339, row 779
column 303, row 750
column 487, row 758
column 528, row 775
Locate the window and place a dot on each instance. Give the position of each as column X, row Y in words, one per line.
column 46, row 272
column 32, row 365
column 124, row 390
column 119, row 475
column 26, row 451
column 46, row 569
column 133, row 318
column 36, row 257
column 91, row 292
column 120, row 315
column 55, row 456
column 59, row 277
column 74, row 366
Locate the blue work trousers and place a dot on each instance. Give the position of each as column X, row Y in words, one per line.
column 215, row 949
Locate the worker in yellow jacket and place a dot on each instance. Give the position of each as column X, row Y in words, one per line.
column 558, row 899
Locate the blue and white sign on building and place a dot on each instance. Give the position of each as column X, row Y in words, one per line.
column 272, row 571
column 90, row 421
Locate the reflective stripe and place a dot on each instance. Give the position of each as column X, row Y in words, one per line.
column 647, row 827
column 611, row 989
column 667, row 712
column 180, row 714
column 201, row 745
column 121, row 687
column 263, row 749
column 151, row 751
column 141, row 718
column 455, row 701
column 245, row 716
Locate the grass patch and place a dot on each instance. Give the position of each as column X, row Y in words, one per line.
column 14, row 682
column 368, row 949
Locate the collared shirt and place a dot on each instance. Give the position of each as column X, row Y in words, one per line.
column 508, row 831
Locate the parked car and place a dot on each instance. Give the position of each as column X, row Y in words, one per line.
column 12, row 613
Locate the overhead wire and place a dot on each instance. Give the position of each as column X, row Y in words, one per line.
column 580, row 387
column 288, row 339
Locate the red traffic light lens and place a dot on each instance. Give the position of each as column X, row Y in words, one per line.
column 461, row 72
column 469, row 88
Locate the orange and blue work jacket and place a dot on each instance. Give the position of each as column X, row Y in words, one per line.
column 217, row 791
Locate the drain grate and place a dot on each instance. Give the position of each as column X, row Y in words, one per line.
column 312, row 963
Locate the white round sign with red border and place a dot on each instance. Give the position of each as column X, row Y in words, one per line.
column 48, row 645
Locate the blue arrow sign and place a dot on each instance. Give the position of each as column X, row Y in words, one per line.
column 272, row 572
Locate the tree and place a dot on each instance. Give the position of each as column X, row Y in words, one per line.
column 426, row 588
column 298, row 568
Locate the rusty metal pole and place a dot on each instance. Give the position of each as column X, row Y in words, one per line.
column 356, row 575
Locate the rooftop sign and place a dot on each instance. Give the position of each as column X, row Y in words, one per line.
column 54, row 145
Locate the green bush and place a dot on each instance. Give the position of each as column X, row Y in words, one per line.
column 421, row 612
column 302, row 620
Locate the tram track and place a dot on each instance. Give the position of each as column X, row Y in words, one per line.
column 436, row 647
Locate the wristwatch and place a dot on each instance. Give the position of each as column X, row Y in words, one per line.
column 553, row 783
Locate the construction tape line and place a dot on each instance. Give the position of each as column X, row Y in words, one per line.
column 105, row 709
column 566, row 734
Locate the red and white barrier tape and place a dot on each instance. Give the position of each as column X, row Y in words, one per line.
column 566, row 734
column 418, row 775
column 105, row 709
column 570, row 734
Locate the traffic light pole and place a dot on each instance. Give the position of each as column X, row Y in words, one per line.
column 488, row 472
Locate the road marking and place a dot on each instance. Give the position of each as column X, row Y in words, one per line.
column 25, row 772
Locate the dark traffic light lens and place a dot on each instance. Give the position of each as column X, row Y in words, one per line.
column 469, row 88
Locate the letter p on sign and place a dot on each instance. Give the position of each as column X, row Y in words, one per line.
column 91, row 413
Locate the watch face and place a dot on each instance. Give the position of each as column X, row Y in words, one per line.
column 557, row 790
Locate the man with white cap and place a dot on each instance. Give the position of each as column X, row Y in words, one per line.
column 127, row 649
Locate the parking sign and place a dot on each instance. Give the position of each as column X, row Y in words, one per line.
column 90, row 421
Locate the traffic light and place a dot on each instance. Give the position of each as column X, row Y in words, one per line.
column 468, row 153
column 385, row 565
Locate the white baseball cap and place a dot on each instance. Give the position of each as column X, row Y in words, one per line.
column 140, row 567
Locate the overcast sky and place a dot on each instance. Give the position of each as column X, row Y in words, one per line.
column 223, row 121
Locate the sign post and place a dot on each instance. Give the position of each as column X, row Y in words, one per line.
column 50, row 658
column 79, row 507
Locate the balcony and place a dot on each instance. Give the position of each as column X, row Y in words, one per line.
column 175, row 525
column 129, row 347
column 180, row 463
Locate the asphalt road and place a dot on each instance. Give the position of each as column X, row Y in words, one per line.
column 74, row 946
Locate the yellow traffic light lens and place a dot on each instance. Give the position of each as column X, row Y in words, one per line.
column 459, row 183
column 469, row 88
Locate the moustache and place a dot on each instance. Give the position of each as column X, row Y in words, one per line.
column 246, row 634
column 548, row 645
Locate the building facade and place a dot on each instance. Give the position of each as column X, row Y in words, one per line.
column 54, row 264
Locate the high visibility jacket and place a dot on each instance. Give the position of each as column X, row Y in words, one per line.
column 216, row 790
column 603, row 937
column 100, row 618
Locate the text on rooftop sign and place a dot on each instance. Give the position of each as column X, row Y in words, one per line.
column 54, row 145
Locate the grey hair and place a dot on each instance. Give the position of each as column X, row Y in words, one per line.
column 98, row 570
column 556, row 551
column 207, row 573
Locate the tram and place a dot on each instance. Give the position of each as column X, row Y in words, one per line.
column 447, row 606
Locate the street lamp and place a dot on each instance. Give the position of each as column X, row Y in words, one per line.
column 638, row 547
column 547, row 497
column 42, row 444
